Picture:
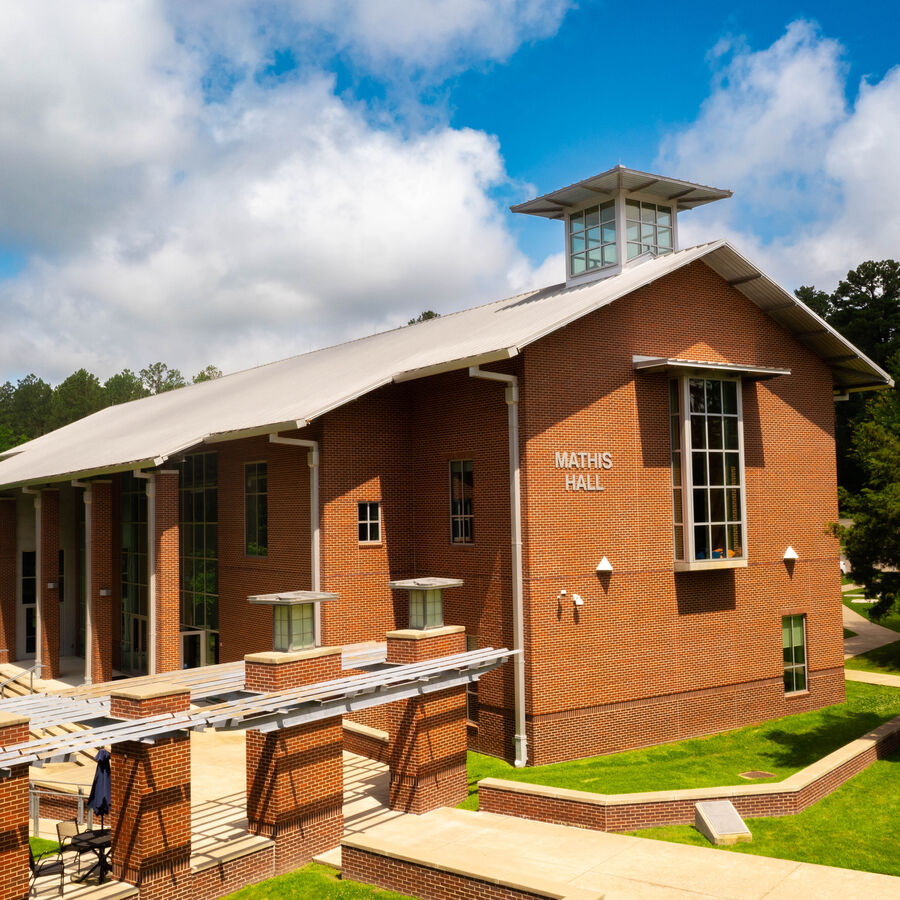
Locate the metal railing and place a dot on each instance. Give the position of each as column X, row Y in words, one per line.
column 29, row 672
column 83, row 813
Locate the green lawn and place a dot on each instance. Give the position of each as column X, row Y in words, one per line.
column 782, row 746
column 891, row 620
column 40, row 846
column 849, row 828
column 313, row 882
column 884, row 659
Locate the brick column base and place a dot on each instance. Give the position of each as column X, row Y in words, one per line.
column 295, row 776
column 14, row 872
column 151, row 795
column 427, row 755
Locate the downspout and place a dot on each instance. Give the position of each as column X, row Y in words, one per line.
column 312, row 459
column 515, row 510
column 150, row 477
column 88, row 575
column 38, row 583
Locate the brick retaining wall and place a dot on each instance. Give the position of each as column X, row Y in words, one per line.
column 627, row 812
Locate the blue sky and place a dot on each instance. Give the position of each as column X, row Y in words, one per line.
column 234, row 183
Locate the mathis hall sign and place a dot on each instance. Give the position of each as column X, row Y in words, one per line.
column 583, row 468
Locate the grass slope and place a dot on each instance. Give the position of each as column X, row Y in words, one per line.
column 313, row 882
column 884, row 659
column 781, row 746
column 891, row 620
column 851, row 828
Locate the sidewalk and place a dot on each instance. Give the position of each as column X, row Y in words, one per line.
column 576, row 863
column 868, row 635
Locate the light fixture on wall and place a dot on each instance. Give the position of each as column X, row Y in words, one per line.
column 604, row 565
column 577, row 599
column 790, row 555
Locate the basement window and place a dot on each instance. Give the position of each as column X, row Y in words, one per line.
column 592, row 238
column 706, row 433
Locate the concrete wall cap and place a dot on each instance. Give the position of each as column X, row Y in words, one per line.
column 149, row 691
column 278, row 658
column 416, row 634
column 8, row 720
column 375, row 734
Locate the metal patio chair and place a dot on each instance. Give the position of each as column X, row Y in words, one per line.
column 66, row 832
column 44, row 867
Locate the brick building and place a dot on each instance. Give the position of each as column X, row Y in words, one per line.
column 631, row 474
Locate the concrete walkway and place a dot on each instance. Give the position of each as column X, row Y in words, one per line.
column 588, row 865
column 868, row 635
column 872, row 677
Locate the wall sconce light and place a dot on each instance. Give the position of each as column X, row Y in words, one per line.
column 604, row 565
column 790, row 555
column 105, row 592
column 578, row 600
column 52, row 585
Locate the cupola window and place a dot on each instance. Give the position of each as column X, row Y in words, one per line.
column 592, row 238
column 648, row 228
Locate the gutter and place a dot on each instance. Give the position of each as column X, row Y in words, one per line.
column 515, row 511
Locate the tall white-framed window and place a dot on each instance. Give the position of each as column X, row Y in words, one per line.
column 708, row 491
column 592, row 238
column 368, row 522
column 793, row 644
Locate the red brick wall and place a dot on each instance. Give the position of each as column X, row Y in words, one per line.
column 266, row 677
column 295, row 789
column 14, row 873
column 7, row 579
column 150, row 806
column 663, row 655
column 418, row 880
column 49, row 574
column 406, row 650
column 102, row 549
column 168, row 618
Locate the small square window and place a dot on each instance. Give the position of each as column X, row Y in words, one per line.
column 369, row 522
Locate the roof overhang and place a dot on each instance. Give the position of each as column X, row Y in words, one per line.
column 602, row 187
column 652, row 365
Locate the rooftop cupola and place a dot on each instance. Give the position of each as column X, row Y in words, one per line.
column 618, row 218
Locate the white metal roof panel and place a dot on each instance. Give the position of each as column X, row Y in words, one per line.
column 291, row 392
column 602, row 187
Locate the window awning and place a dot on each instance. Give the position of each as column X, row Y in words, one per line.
column 652, row 365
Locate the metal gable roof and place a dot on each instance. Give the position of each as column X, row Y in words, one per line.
column 291, row 392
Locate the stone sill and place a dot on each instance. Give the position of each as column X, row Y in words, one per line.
column 709, row 565
column 416, row 634
column 374, row 734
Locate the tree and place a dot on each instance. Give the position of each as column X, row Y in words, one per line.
column 865, row 309
column 424, row 317
column 30, row 407
column 207, row 374
column 159, row 378
column 873, row 543
column 123, row 387
column 78, row 396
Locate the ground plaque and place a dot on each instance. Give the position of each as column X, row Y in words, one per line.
column 720, row 823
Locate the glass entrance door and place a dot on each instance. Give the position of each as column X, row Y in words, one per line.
column 134, row 651
column 192, row 647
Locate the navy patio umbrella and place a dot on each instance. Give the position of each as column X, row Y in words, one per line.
column 100, row 788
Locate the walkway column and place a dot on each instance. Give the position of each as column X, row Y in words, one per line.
column 48, row 584
column 7, row 579
column 150, row 812
column 168, row 616
column 295, row 776
column 98, row 632
column 427, row 754
column 14, row 873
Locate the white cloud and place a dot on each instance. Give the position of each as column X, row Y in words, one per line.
column 278, row 219
column 817, row 188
